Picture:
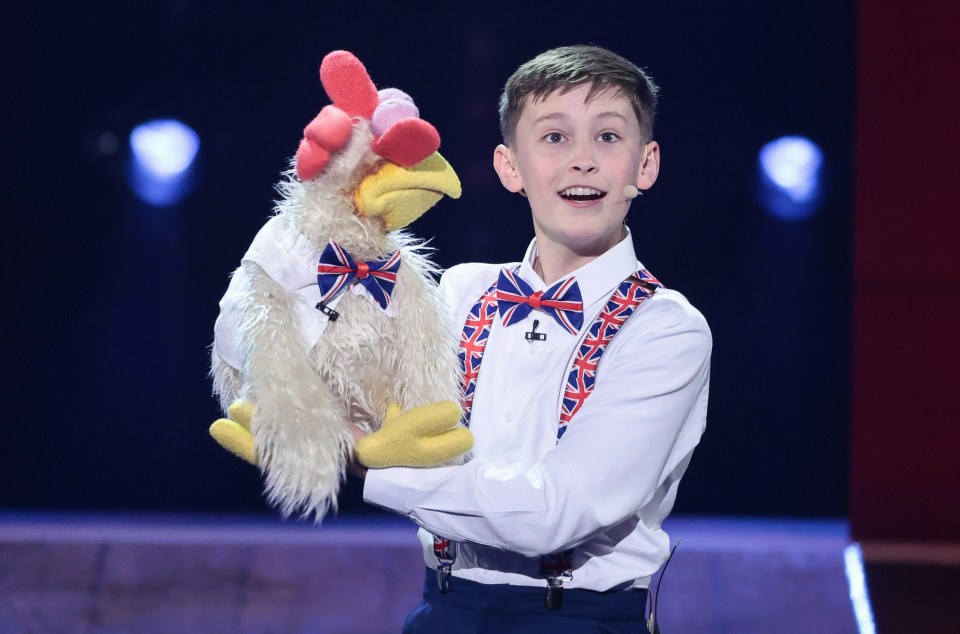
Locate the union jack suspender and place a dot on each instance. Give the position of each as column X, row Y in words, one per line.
column 581, row 379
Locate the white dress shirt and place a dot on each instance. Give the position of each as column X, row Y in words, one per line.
column 607, row 485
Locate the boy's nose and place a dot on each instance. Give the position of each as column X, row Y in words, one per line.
column 584, row 165
column 583, row 159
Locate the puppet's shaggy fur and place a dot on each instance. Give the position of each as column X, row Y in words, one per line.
column 365, row 359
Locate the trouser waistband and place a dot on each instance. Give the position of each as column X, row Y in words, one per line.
column 504, row 599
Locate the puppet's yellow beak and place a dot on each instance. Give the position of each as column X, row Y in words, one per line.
column 401, row 195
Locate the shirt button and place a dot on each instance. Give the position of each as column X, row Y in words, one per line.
column 511, row 417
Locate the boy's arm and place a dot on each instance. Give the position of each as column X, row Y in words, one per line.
column 633, row 435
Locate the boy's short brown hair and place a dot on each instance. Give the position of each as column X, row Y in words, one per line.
column 570, row 67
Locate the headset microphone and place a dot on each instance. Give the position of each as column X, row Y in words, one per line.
column 629, row 193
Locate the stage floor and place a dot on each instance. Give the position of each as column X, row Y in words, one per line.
column 131, row 573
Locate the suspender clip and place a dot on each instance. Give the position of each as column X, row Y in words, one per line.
column 443, row 577
column 554, row 598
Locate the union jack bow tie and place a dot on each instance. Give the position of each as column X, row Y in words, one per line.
column 562, row 301
column 337, row 270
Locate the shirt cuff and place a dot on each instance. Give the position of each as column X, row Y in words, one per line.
column 385, row 488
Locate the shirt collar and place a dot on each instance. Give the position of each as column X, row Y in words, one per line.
column 597, row 278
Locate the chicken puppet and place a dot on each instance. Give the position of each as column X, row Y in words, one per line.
column 333, row 318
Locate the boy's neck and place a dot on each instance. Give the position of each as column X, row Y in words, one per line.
column 555, row 261
column 552, row 269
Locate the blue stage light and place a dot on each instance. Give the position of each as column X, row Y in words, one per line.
column 166, row 147
column 163, row 152
column 789, row 168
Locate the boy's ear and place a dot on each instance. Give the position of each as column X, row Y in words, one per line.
column 504, row 163
column 650, row 166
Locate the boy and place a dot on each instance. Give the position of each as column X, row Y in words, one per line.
column 553, row 524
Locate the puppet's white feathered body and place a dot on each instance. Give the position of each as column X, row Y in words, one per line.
column 306, row 388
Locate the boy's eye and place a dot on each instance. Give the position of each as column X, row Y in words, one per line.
column 553, row 137
column 609, row 137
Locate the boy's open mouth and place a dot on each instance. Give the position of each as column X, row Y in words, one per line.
column 581, row 194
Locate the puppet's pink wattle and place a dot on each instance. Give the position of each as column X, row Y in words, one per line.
column 312, row 159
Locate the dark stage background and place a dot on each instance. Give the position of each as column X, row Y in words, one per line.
column 110, row 303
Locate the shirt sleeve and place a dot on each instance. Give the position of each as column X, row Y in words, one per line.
column 631, row 437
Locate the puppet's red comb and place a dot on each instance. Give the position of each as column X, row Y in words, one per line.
column 400, row 136
column 348, row 84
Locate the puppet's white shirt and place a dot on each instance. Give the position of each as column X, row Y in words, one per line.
column 290, row 259
column 608, row 484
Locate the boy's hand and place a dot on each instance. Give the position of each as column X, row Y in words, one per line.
column 424, row 436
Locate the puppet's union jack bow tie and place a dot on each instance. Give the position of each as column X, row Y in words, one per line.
column 337, row 270
column 562, row 301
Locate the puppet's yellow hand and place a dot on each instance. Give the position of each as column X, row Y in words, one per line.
column 233, row 433
column 424, row 436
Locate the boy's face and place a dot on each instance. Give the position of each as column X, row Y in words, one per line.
column 573, row 158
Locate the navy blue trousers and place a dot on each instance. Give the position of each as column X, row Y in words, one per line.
column 475, row 608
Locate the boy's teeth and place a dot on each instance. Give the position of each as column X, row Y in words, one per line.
column 581, row 191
